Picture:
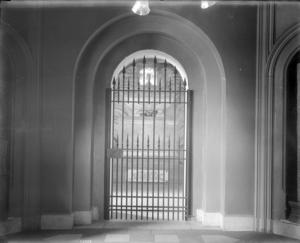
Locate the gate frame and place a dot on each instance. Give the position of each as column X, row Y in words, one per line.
column 189, row 165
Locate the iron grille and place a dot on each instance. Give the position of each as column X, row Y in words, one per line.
column 147, row 153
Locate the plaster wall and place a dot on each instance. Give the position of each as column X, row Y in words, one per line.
column 62, row 35
column 286, row 15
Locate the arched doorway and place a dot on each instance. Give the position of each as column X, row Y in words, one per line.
column 94, row 70
column 148, row 143
column 273, row 178
column 292, row 128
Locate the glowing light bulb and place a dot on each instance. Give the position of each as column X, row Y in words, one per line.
column 141, row 8
column 207, row 4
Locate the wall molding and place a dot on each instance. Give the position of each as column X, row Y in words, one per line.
column 238, row 223
column 209, row 218
column 95, row 213
column 57, row 221
column 263, row 121
column 83, row 217
column 225, row 222
column 286, row 228
column 10, row 226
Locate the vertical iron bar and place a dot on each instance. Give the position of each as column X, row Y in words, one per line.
column 153, row 166
column 117, row 179
column 138, row 84
column 184, row 149
column 137, row 177
column 149, row 89
column 178, row 178
column 126, row 200
column 164, row 141
column 174, row 142
column 122, row 138
column 148, row 141
column 108, row 174
column 170, row 90
column 154, row 115
column 159, row 88
column 180, row 92
column 128, row 90
column 112, row 144
column 179, row 154
column 165, row 80
column 143, row 135
column 169, row 175
column 132, row 138
column 189, row 152
column 158, row 174
column 164, row 133
column 164, row 168
column 118, row 89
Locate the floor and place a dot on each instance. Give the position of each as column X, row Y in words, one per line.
column 144, row 232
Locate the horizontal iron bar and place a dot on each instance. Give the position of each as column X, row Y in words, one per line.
column 152, row 210
column 161, row 197
column 155, row 150
column 166, row 158
column 165, row 91
column 146, row 102
column 149, row 206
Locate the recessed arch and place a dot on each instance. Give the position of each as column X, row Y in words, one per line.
column 151, row 53
column 276, row 74
column 25, row 187
column 93, row 72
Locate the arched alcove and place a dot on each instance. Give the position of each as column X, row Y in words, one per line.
column 276, row 74
column 24, row 166
column 151, row 53
column 102, row 53
column 292, row 132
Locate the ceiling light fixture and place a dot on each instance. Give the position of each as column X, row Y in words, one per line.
column 141, row 8
column 207, row 4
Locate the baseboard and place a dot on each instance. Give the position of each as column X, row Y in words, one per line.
column 31, row 222
column 82, row 217
column 227, row 222
column 238, row 223
column 214, row 219
column 286, row 228
column 95, row 213
column 57, row 221
column 10, row 226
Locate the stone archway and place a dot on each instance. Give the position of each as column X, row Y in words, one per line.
column 103, row 51
column 24, row 190
column 276, row 76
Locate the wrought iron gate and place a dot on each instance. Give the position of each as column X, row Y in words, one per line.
column 148, row 162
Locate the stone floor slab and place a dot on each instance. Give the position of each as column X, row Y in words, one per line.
column 164, row 238
column 141, row 236
column 64, row 238
column 111, row 238
column 218, row 239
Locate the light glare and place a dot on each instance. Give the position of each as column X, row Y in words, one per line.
column 141, row 8
column 207, row 4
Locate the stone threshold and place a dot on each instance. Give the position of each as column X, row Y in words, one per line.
column 147, row 225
